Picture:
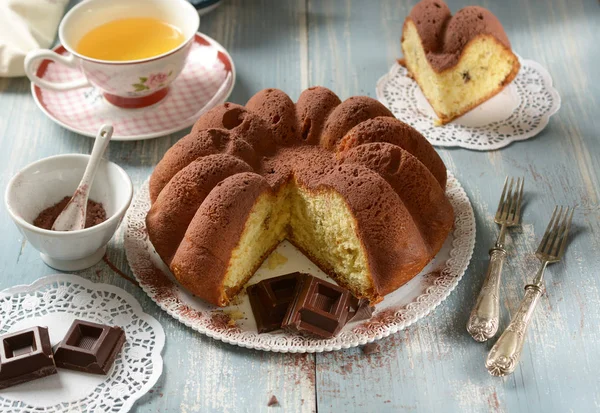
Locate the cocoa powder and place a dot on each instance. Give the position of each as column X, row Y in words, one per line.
column 94, row 216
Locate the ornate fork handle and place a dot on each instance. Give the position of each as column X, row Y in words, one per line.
column 483, row 322
column 505, row 354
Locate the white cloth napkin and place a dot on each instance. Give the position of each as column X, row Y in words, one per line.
column 26, row 25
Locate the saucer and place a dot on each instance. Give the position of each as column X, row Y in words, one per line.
column 205, row 82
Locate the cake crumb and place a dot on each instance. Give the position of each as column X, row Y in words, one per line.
column 273, row 401
column 222, row 320
column 275, row 260
column 237, row 300
column 234, row 315
column 371, row 348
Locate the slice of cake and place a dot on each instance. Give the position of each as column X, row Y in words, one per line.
column 458, row 61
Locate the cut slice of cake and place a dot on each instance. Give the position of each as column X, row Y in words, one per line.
column 458, row 61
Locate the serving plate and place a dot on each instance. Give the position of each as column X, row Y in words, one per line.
column 235, row 324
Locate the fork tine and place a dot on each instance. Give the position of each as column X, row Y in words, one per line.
column 501, row 203
column 518, row 213
column 560, row 234
column 509, row 198
column 563, row 244
column 515, row 201
column 547, row 233
column 554, row 234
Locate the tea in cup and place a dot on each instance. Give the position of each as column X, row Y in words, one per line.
column 130, row 50
column 132, row 38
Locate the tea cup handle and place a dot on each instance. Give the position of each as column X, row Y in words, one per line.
column 67, row 60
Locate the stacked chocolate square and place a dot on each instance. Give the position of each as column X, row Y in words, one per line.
column 27, row 354
column 302, row 303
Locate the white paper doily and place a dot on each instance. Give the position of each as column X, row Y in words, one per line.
column 54, row 302
column 235, row 324
column 520, row 111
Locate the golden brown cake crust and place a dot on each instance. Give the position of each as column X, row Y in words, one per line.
column 171, row 213
column 384, row 171
column 420, row 192
column 347, row 115
column 444, row 36
column 391, row 130
column 395, row 250
column 312, row 110
column 203, row 256
column 278, row 111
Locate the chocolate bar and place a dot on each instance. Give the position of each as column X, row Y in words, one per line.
column 89, row 347
column 271, row 298
column 319, row 308
column 24, row 356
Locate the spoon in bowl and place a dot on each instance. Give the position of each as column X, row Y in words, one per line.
column 73, row 216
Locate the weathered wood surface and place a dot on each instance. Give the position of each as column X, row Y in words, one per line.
column 433, row 365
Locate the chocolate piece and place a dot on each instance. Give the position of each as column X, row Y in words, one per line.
column 271, row 298
column 370, row 348
column 319, row 308
column 360, row 309
column 24, row 356
column 273, row 401
column 89, row 347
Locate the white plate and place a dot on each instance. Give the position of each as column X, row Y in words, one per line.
column 520, row 111
column 399, row 309
column 54, row 302
column 205, row 82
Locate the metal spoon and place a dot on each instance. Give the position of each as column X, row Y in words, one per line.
column 72, row 217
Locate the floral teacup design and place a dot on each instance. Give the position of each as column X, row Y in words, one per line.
column 128, row 84
column 153, row 81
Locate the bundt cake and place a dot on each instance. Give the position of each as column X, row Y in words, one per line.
column 458, row 61
column 359, row 192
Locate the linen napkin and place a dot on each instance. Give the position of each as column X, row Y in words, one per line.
column 26, row 25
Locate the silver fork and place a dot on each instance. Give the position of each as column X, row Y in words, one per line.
column 505, row 353
column 483, row 321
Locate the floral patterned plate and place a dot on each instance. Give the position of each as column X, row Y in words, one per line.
column 235, row 324
column 206, row 81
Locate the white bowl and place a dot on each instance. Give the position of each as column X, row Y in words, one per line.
column 47, row 181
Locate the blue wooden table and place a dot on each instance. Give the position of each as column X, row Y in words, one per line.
column 434, row 365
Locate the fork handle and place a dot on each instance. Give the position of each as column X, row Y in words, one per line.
column 483, row 322
column 505, row 353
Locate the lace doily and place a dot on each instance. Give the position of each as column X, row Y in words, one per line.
column 235, row 324
column 55, row 301
column 519, row 112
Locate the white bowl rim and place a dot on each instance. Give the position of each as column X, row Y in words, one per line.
column 73, row 10
column 96, row 228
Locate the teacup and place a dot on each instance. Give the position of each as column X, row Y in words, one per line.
column 119, row 80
